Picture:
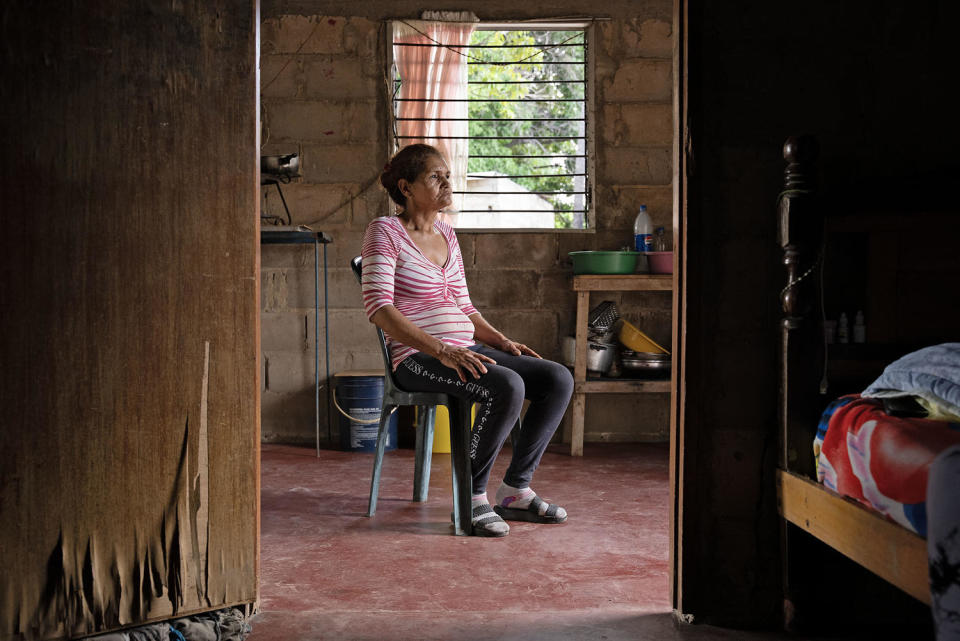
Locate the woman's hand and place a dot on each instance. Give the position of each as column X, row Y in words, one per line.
column 517, row 349
column 463, row 360
column 487, row 333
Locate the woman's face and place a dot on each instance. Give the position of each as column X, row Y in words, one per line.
column 431, row 190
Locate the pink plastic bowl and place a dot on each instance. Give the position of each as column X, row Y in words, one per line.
column 660, row 262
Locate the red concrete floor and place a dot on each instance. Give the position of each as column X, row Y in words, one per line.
column 329, row 572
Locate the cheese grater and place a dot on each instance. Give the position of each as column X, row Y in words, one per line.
column 602, row 317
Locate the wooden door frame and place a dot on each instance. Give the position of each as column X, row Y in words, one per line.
column 258, row 401
column 678, row 391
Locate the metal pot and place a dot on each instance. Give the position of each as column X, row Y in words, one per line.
column 600, row 357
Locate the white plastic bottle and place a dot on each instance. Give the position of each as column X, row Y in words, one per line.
column 642, row 231
column 859, row 329
column 843, row 329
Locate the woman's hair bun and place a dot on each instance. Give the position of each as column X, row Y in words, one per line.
column 407, row 164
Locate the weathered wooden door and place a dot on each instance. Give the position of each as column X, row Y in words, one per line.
column 129, row 290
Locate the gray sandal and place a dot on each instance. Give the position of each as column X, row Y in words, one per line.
column 531, row 513
column 485, row 522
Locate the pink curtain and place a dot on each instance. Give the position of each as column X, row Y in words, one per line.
column 433, row 73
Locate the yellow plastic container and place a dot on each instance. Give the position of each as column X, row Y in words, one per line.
column 441, row 429
column 636, row 340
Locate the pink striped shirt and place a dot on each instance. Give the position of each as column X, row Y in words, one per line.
column 434, row 298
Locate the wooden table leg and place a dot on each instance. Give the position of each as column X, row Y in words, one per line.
column 576, row 436
column 579, row 375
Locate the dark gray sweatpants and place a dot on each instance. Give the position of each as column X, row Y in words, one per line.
column 499, row 394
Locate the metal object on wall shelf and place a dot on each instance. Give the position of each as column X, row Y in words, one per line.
column 273, row 171
column 281, row 168
column 600, row 357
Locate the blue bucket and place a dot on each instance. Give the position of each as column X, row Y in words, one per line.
column 360, row 396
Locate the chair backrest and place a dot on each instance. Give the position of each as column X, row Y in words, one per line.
column 390, row 384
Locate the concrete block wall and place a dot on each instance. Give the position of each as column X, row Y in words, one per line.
column 324, row 96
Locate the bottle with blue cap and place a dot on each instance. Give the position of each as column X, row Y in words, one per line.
column 643, row 231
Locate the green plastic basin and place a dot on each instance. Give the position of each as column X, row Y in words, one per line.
column 604, row 262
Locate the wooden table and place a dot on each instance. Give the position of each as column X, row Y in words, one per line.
column 583, row 285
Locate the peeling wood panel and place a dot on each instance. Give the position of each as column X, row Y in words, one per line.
column 129, row 294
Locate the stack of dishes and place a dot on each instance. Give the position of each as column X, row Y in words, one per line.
column 645, row 362
column 641, row 354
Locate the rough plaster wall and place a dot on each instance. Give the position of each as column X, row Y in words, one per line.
column 867, row 88
column 129, row 485
column 327, row 101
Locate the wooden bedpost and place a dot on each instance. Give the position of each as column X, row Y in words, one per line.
column 800, row 337
column 800, row 223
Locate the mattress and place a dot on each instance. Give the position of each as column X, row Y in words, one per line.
column 882, row 461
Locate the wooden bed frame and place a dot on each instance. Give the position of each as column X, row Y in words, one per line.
column 883, row 547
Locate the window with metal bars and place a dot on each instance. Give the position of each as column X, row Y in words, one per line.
column 508, row 105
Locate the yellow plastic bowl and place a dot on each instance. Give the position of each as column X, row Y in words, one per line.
column 636, row 340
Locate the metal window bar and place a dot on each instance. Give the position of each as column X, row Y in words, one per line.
column 544, row 46
column 522, row 211
column 541, row 157
column 526, row 46
column 490, row 119
column 520, row 193
column 524, row 176
column 496, row 138
column 545, row 63
column 525, row 82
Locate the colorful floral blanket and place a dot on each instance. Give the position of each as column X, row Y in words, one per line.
column 880, row 460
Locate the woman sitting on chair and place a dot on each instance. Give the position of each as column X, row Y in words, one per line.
column 414, row 289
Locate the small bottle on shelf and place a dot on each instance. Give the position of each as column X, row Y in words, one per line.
column 843, row 329
column 859, row 329
column 659, row 240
